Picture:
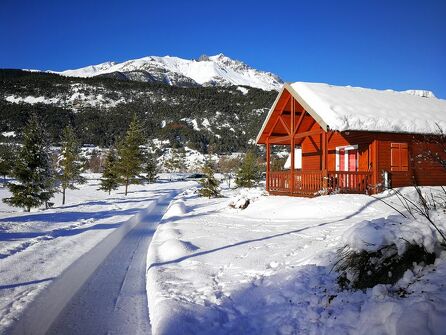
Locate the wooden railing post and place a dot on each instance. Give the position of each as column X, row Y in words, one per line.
column 268, row 169
column 324, row 160
column 292, row 145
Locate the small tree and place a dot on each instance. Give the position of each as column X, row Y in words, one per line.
column 150, row 167
column 7, row 158
column 228, row 166
column 249, row 173
column 176, row 161
column 95, row 162
column 110, row 178
column 34, row 181
column 209, row 184
column 130, row 159
column 70, row 164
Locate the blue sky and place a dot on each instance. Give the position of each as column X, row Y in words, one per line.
column 378, row 44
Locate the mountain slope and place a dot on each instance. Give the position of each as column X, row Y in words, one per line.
column 218, row 70
column 216, row 119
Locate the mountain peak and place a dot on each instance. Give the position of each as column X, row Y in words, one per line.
column 218, row 70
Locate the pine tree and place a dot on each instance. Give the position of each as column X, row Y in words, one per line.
column 249, row 173
column 130, row 155
column 110, row 178
column 181, row 159
column 175, row 162
column 209, row 184
column 7, row 158
column 70, row 165
column 33, row 173
column 150, row 167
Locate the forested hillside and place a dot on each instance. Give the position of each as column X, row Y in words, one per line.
column 220, row 119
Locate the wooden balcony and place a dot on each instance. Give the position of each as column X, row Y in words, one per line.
column 312, row 183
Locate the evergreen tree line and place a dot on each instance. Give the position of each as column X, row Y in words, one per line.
column 247, row 172
column 37, row 176
column 152, row 103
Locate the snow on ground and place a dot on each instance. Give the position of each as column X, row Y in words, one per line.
column 36, row 247
column 267, row 270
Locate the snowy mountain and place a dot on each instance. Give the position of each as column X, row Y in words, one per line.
column 218, row 70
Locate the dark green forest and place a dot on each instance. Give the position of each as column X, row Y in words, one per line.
column 160, row 108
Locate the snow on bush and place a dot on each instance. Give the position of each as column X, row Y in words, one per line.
column 395, row 230
column 245, row 197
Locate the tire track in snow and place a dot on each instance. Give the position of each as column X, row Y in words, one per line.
column 104, row 291
column 114, row 299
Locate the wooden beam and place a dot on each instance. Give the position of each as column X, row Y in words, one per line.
column 286, row 138
column 299, row 122
column 308, row 133
column 278, row 118
column 274, row 126
column 292, row 146
column 268, row 153
column 279, row 139
column 285, row 125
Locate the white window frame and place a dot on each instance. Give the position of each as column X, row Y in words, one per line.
column 346, row 148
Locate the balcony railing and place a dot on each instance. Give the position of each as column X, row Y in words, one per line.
column 310, row 183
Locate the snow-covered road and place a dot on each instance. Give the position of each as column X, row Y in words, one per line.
column 114, row 300
column 47, row 256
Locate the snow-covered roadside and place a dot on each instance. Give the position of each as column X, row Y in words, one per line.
column 37, row 247
column 267, row 270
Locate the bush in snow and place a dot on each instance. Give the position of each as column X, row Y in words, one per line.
column 245, row 197
column 382, row 250
column 364, row 269
column 209, row 184
column 425, row 206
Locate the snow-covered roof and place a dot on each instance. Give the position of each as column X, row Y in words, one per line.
column 354, row 108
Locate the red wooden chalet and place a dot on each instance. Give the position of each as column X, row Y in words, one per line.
column 353, row 140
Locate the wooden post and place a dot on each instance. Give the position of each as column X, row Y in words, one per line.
column 324, row 146
column 375, row 176
column 292, row 144
column 268, row 163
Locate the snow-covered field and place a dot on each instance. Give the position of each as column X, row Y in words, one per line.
column 268, row 270
column 213, row 269
column 37, row 247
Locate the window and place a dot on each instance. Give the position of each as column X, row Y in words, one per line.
column 399, row 157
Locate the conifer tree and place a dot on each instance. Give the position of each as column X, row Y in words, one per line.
column 150, row 167
column 209, row 184
column 110, row 178
column 130, row 159
column 33, row 173
column 181, row 159
column 7, row 157
column 249, row 173
column 175, row 162
column 70, row 164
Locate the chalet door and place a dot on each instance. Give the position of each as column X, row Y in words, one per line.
column 352, row 164
column 346, row 161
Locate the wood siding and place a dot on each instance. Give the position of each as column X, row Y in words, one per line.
column 290, row 124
